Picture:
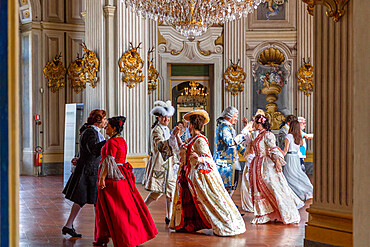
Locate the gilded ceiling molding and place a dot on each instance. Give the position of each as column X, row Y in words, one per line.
column 336, row 7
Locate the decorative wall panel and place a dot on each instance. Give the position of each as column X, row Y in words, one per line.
column 73, row 47
column 53, row 113
column 73, row 11
column 53, row 11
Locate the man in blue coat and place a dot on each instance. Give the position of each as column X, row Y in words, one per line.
column 227, row 147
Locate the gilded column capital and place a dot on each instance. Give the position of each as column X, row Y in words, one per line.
column 336, row 7
column 109, row 11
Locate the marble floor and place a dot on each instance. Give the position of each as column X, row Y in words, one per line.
column 43, row 212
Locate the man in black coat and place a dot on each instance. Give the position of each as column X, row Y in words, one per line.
column 81, row 187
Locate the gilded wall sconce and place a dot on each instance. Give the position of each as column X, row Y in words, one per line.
column 55, row 72
column 90, row 65
column 152, row 74
column 335, row 7
column 305, row 77
column 75, row 72
column 131, row 65
column 234, row 78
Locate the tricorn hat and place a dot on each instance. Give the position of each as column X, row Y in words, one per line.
column 164, row 109
column 200, row 112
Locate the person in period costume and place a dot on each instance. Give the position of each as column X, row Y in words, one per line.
column 228, row 145
column 201, row 200
column 284, row 131
column 302, row 149
column 297, row 179
column 245, row 188
column 159, row 177
column 272, row 197
column 120, row 212
column 81, row 186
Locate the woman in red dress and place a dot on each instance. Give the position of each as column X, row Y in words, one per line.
column 120, row 212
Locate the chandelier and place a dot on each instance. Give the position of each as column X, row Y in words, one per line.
column 192, row 17
column 193, row 96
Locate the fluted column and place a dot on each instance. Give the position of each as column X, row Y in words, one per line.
column 304, row 52
column 95, row 97
column 133, row 103
column 153, row 42
column 330, row 215
column 235, row 49
column 111, row 59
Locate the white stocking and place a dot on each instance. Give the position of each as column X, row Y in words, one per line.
column 169, row 208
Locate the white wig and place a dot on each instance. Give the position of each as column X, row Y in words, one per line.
column 164, row 109
column 229, row 112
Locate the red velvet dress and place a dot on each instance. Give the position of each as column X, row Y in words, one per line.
column 120, row 212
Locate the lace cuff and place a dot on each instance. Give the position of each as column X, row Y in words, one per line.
column 277, row 154
column 113, row 172
column 204, row 164
column 173, row 143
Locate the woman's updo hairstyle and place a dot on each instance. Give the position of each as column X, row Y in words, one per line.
column 117, row 123
column 197, row 121
column 96, row 116
column 260, row 119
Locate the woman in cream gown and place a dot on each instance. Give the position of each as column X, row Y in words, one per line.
column 272, row 197
column 201, row 200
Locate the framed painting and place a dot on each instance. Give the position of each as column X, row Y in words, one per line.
column 274, row 14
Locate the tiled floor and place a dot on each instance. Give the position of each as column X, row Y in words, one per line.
column 43, row 212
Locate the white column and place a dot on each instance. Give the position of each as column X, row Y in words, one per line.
column 111, row 58
column 95, row 41
column 235, row 49
column 133, row 103
column 304, row 51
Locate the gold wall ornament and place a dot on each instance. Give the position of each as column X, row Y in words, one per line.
column 131, row 65
column 55, row 72
column 305, row 77
column 75, row 72
column 234, row 78
column 90, row 65
column 152, row 74
column 271, row 57
column 336, row 7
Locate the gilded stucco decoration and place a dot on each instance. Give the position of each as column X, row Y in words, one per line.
column 75, row 72
column 152, row 74
column 131, row 65
column 335, row 7
column 305, row 77
column 234, row 78
column 55, row 72
column 271, row 57
column 90, row 64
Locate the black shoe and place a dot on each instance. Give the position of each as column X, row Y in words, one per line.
column 167, row 220
column 70, row 231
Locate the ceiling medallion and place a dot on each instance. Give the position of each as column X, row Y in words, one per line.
column 191, row 17
column 152, row 74
column 234, row 78
column 305, row 77
column 336, row 7
column 90, row 64
column 131, row 65
column 55, row 72
column 271, row 57
column 75, row 72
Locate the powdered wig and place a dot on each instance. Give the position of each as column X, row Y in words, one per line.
column 229, row 112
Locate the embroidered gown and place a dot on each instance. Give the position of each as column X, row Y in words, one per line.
column 201, row 200
column 120, row 212
column 271, row 194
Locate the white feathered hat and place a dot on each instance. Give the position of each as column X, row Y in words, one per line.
column 164, row 109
